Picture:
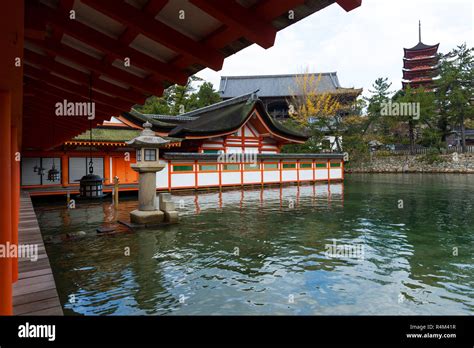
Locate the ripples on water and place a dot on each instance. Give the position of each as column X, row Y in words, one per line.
column 263, row 252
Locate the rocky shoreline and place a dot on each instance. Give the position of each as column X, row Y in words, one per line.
column 461, row 164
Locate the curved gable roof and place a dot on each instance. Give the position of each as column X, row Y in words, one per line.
column 230, row 118
column 213, row 120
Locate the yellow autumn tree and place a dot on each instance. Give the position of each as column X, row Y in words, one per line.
column 308, row 103
column 310, row 108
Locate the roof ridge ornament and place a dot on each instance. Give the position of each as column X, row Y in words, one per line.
column 253, row 97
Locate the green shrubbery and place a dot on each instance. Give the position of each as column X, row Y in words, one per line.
column 433, row 156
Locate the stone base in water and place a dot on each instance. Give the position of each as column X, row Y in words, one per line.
column 171, row 216
column 147, row 217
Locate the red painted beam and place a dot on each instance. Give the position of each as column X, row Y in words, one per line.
column 83, row 78
column 51, row 98
column 68, row 123
column 44, row 98
column 158, row 31
column 106, row 44
column 99, row 67
column 40, row 130
column 74, row 88
column 267, row 10
column 246, row 21
column 153, row 7
column 48, row 123
column 349, row 5
column 50, row 95
column 62, row 132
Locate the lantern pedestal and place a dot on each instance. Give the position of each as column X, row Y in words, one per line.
column 147, row 212
column 148, row 163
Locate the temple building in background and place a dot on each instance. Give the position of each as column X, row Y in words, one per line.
column 231, row 143
column 276, row 91
column 420, row 65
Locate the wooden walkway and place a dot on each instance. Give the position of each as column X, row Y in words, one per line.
column 35, row 291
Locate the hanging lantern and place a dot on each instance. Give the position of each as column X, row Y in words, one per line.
column 53, row 174
column 91, row 185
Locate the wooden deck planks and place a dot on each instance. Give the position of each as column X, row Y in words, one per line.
column 35, row 291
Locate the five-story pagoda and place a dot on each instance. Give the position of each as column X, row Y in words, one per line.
column 420, row 65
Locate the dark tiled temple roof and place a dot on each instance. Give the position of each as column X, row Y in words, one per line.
column 158, row 125
column 171, row 118
column 230, row 116
column 274, row 85
column 222, row 117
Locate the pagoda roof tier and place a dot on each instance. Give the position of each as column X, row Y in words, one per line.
column 418, row 83
column 420, row 57
column 422, row 68
column 421, row 46
column 421, row 79
column 421, row 50
column 410, row 64
column 412, row 75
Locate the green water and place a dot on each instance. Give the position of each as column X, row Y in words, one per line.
column 264, row 252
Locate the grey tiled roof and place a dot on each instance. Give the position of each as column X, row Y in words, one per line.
column 272, row 85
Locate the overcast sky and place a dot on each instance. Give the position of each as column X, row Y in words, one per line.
column 361, row 45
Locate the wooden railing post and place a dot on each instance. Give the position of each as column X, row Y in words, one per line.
column 116, row 190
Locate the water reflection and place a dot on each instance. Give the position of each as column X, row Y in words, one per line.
column 263, row 251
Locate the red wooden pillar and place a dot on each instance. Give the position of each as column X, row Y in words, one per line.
column 329, row 170
column 298, row 172
column 169, row 175
column 64, row 170
column 219, row 170
column 5, row 203
column 196, row 175
column 15, row 198
column 107, row 176
column 342, row 169
column 280, row 165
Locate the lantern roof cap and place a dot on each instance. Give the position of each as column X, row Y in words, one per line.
column 91, row 177
column 147, row 138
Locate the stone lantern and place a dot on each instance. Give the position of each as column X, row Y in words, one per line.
column 148, row 163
